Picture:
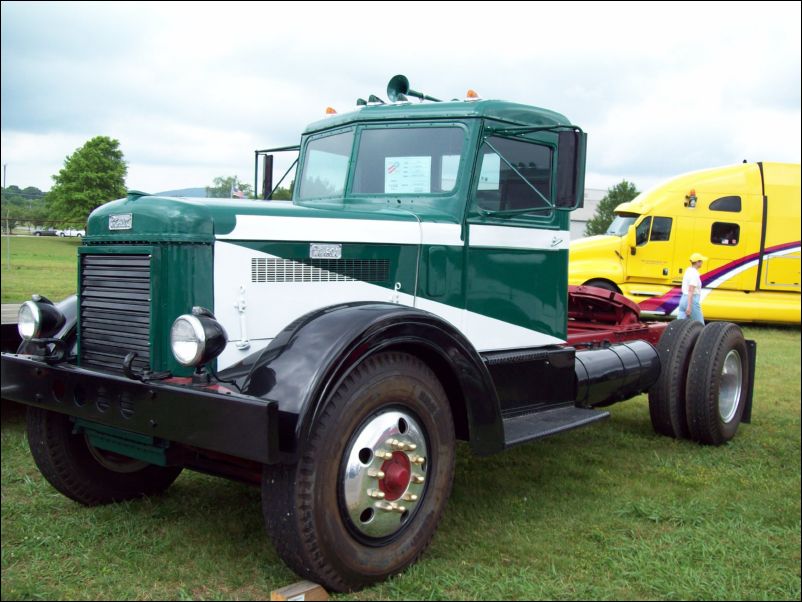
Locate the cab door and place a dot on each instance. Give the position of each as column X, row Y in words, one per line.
column 516, row 260
column 650, row 259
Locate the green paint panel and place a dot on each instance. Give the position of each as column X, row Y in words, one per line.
column 436, row 272
column 524, row 287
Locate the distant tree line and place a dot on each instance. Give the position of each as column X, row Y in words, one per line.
column 93, row 175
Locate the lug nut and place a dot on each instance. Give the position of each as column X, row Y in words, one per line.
column 376, row 493
column 417, row 459
column 384, row 455
column 376, row 474
column 417, row 479
column 410, row 497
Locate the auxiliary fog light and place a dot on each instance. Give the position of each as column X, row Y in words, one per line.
column 197, row 338
column 39, row 318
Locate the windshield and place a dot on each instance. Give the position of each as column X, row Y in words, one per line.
column 621, row 224
column 418, row 160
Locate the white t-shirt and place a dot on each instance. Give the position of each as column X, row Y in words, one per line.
column 691, row 278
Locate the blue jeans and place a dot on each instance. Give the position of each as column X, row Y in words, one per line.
column 696, row 309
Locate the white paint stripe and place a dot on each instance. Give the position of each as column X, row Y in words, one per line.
column 505, row 237
column 319, row 229
column 441, row 234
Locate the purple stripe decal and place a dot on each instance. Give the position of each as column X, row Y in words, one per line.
column 668, row 302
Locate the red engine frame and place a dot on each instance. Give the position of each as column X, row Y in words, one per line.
column 597, row 317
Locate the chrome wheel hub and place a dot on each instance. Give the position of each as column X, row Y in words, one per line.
column 385, row 473
column 729, row 391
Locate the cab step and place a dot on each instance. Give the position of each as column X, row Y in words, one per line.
column 536, row 425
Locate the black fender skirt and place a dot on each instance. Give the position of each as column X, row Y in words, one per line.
column 304, row 364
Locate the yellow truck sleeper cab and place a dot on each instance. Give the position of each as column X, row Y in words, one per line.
column 745, row 219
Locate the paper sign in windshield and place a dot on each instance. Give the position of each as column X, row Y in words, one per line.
column 407, row 175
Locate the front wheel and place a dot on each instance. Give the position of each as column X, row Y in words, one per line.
column 85, row 473
column 373, row 478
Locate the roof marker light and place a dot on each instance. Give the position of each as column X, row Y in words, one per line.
column 330, row 111
column 471, row 94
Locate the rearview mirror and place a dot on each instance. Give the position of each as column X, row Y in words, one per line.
column 632, row 242
column 570, row 169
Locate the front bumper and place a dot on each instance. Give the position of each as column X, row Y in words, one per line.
column 208, row 417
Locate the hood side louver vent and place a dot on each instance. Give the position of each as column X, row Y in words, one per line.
column 319, row 270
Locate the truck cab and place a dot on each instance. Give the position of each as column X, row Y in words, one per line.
column 743, row 218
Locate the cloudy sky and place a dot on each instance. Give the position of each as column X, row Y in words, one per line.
column 191, row 89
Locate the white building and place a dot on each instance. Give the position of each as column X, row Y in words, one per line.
column 581, row 217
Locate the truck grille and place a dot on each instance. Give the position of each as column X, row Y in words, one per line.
column 115, row 311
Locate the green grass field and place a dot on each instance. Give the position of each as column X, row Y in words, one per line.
column 608, row 512
column 44, row 265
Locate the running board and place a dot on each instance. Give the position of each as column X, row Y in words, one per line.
column 520, row 429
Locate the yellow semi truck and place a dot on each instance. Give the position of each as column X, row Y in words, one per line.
column 745, row 219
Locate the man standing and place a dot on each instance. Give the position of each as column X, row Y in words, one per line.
column 690, row 304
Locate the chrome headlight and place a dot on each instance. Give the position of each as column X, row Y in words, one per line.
column 29, row 320
column 39, row 318
column 197, row 338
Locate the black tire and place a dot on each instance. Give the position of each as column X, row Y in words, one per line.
column 718, row 384
column 73, row 466
column 306, row 506
column 603, row 284
column 667, row 395
column 37, row 233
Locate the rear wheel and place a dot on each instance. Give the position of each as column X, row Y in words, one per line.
column 373, row 478
column 667, row 395
column 718, row 384
column 85, row 473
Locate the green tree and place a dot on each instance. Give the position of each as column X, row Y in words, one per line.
column 284, row 194
column 223, row 188
column 94, row 174
column 20, row 206
column 620, row 193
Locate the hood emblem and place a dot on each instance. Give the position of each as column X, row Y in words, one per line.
column 124, row 221
column 321, row 251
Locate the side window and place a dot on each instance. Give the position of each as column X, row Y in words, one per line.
column 726, row 203
column 723, row 233
column 326, row 166
column 518, row 176
column 661, row 229
column 642, row 232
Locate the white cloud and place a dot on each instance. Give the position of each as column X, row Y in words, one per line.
column 191, row 90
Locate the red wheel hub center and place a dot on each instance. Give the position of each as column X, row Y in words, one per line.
column 397, row 473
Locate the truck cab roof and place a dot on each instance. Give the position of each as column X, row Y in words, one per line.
column 497, row 110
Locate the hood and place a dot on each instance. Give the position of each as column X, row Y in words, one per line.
column 594, row 247
column 144, row 218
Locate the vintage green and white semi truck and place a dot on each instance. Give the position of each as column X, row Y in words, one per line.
column 333, row 348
